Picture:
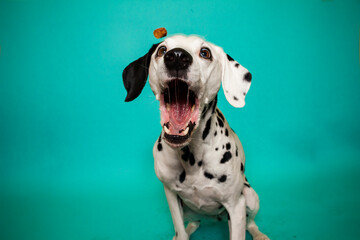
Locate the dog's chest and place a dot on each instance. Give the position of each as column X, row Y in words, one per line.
column 200, row 193
column 208, row 170
column 201, row 180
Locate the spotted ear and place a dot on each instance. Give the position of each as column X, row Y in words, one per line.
column 136, row 74
column 236, row 81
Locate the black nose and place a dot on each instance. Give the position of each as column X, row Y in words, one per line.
column 177, row 59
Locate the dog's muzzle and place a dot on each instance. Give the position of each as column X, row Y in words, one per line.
column 179, row 104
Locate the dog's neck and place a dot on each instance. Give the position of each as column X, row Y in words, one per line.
column 206, row 123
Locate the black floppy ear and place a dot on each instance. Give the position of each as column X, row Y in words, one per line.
column 135, row 75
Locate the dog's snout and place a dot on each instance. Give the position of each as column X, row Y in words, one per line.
column 177, row 59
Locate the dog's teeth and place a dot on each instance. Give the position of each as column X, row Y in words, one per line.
column 157, row 97
column 206, row 100
column 186, row 131
column 168, row 107
column 193, row 108
column 166, row 129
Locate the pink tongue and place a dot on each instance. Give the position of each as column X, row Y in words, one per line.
column 179, row 114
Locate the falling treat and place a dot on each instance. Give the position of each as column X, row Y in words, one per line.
column 160, row 32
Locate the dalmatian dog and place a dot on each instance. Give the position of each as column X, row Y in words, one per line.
column 198, row 157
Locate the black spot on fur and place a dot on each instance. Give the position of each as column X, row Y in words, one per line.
column 235, row 98
column 226, row 157
column 186, row 151
column 237, row 65
column 211, row 105
column 204, row 111
column 182, row 176
column 236, row 152
column 220, row 114
column 226, row 132
column 242, row 167
column 208, row 175
column 176, row 233
column 221, row 123
column 222, row 178
column 216, row 149
column 200, row 163
column 221, row 131
column 246, row 184
column 223, row 146
column 215, row 133
column 188, row 155
column 248, row 77
column 159, row 146
column 191, row 159
column 228, row 146
column 207, row 129
column 232, row 130
column 228, row 216
column 229, row 58
column 214, row 104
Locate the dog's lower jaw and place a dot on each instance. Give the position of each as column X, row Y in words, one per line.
column 178, row 141
column 176, row 145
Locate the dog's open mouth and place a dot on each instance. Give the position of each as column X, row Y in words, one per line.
column 179, row 107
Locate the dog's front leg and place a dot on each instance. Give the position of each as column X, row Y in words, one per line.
column 237, row 218
column 176, row 214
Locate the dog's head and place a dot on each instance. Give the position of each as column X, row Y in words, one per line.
column 185, row 74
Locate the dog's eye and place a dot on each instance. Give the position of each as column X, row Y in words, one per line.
column 161, row 51
column 205, row 53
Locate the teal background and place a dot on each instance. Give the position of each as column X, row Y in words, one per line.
column 76, row 160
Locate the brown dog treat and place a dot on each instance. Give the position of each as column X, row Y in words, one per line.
column 160, row 32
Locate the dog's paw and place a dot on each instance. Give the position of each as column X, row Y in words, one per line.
column 261, row 237
column 191, row 227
